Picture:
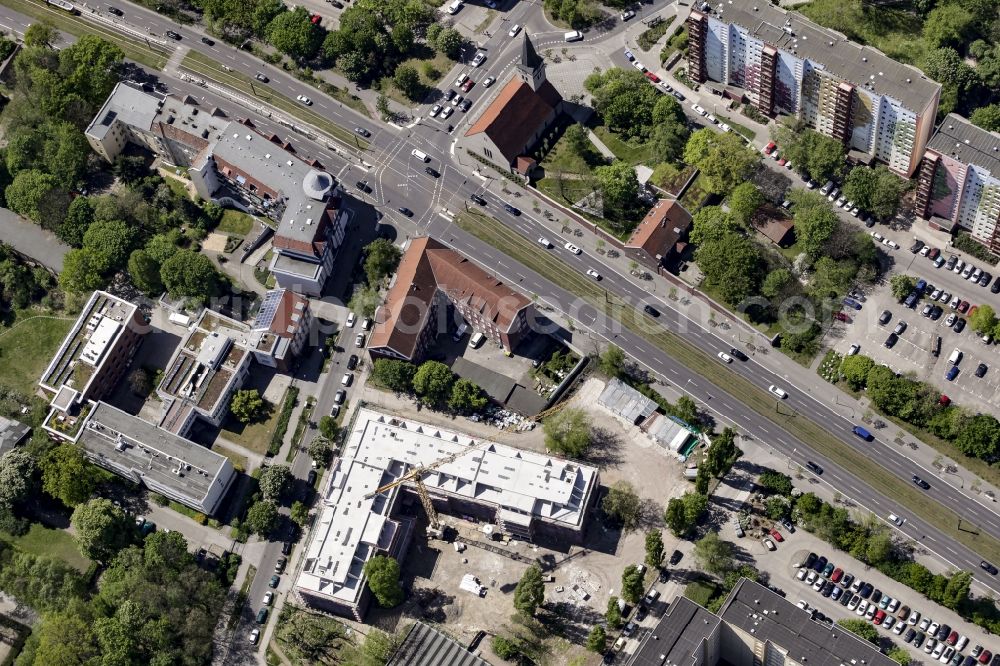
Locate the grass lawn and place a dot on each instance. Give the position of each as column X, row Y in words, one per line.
column 895, row 32
column 748, row 133
column 440, row 65
column 239, row 461
column 821, row 440
column 152, row 56
column 235, row 223
column 627, row 151
column 254, row 436
column 209, row 68
column 47, row 542
column 701, row 592
column 27, row 347
column 178, row 187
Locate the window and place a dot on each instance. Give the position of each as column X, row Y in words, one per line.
column 488, row 153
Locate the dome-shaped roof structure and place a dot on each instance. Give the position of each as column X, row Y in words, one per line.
column 317, row 184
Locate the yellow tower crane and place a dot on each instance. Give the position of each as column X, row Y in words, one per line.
column 416, row 475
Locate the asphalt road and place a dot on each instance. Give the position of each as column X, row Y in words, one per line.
column 398, row 179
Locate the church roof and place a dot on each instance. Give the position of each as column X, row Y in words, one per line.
column 515, row 115
column 529, row 57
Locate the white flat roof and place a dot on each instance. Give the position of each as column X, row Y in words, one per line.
column 382, row 447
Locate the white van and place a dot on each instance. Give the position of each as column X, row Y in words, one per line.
column 420, row 155
column 477, row 340
column 573, row 36
column 454, row 7
column 955, row 357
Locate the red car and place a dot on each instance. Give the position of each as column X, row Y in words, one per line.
column 769, row 148
column 777, row 535
column 781, row 162
column 944, row 400
column 837, row 574
column 315, row 19
column 984, row 657
column 933, row 254
column 963, row 307
column 879, row 616
column 467, row 86
column 952, row 638
column 841, row 316
column 652, row 77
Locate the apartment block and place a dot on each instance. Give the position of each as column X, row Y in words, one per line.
column 527, row 495
column 431, row 277
column 232, row 163
column 959, row 181
column 754, row 626
column 783, row 63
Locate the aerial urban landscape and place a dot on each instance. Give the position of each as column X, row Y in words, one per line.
column 483, row 332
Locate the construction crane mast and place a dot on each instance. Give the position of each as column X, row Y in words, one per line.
column 416, row 476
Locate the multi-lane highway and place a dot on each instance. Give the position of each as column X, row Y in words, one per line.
column 397, row 180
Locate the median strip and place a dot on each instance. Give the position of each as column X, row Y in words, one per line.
column 134, row 49
column 205, row 66
column 818, row 437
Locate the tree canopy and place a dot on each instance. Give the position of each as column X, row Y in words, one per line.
column 624, row 100
column 433, row 382
column 623, row 505
column 567, row 432
column 723, row 159
column 383, row 580
column 102, row 529
column 188, row 274
column 876, row 190
column 381, row 260
column 247, row 405
column 67, row 476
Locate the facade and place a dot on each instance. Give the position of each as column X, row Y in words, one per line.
column 959, row 181
column 431, row 277
column 522, row 493
column 96, row 352
column 754, row 626
column 518, row 116
column 659, row 239
column 785, row 64
column 234, row 164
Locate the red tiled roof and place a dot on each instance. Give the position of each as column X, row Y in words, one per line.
column 776, row 230
column 285, row 322
column 515, row 115
column 427, row 269
column 661, row 228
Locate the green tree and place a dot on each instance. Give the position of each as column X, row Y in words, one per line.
column 899, row 655
column 775, row 282
column 450, row 43
column 504, row 647
column 776, row 507
column 145, row 272
column 65, row 637
column 958, row 80
column 111, row 242
column 383, row 580
column 947, row 25
column 530, row 591
column 300, row 513
column 262, row 518
column 775, row 482
column 684, row 512
column 91, row 68
column 27, row 193
column 82, row 271
column 813, row 228
column 102, row 529
column 407, row 80
column 130, row 168
column 319, row 448
column 67, row 476
column 632, row 584
column 860, row 628
column 394, row 375
column 984, row 319
column 247, row 405
column 41, row 34
column 187, row 274
column 667, row 109
column 619, row 187
column 702, row 480
column 433, row 382
column 294, row 34
column 612, row 361
column 731, row 264
column 273, row 481
column 713, row 554
column 856, row 370
column 980, row 437
column 722, row 453
column 668, row 140
column 987, row 117
column 686, row 410
column 624, row 100
column 956, row 592
column 654, row 549
column 364, row 300
column 819, row 157
column 382, row 258
column 597, row 640
column 711, row 223
column 567, row 432
column 622, row 505
column 723, row 159
column 901, row 286
column 744, row 201
column 17, row 469
column 79, row 217
column 466, row 397
column 613, row 616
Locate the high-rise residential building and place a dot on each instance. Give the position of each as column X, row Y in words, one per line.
column 959, row 181
column 783, row 63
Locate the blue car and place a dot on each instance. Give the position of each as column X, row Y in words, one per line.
column 952, row 373
column 921, row 285
column 510, row 209
column 851, row 303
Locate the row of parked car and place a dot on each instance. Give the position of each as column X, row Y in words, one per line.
column 938, row 640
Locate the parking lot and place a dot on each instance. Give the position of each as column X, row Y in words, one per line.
column 912, row 352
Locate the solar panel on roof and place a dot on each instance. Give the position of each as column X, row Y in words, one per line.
column 267, row 310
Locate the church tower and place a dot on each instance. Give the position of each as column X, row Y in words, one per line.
column 531, row 68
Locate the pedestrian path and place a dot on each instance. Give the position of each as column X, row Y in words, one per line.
column 601, row 148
